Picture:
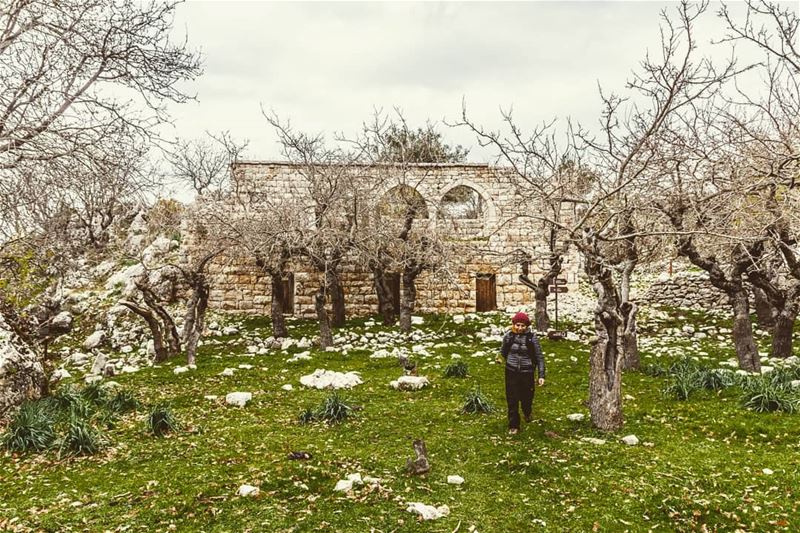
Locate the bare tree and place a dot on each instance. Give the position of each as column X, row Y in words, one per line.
column 204, row 163
column 624, row 162
column 334, row 188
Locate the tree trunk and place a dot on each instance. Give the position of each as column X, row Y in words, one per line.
column 161, row 353
column 385, row 296
column 746, row 349
column 277, row 307
column 168, row 328
column 630, row 344
column 198, row 313
column 541, row 319
column 325, row 336
column 337, row 300
column 408, row 299
column 605, row 372
column 782, row 334
column 765, row 313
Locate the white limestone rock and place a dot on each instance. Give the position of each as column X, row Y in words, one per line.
column 287, row 387
column 329, row 379
column 343, row 485
column 238, row 399
column 576, row 417
column 62, row 321
column 21, row 374
column 94, row 340
column 630, row 440
column 59, row 374
column 247, row 490
column 592, row 440
column 180, row 370
column 99, row 364
column 410, row 383
column 455, row 480
column 302, row 356
column 428, row 512
column 417, row 320
column 228, row 372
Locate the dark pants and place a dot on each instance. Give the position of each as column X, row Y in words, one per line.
column 519, row 390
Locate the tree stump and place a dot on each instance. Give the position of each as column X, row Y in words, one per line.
column 420, row 465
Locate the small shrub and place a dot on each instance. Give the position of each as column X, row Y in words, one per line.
column 654, row 370
column 458, row 369
column 30, row 429
column 122, row 402
column 714, row 379
column 81, row 409
column 95, row 393
column 686, row 378
column 161, row 420
column 307, row 416
column 762, row 395
column 477, row 402
column 81, row 438
column 333, row 410
column 64, row 398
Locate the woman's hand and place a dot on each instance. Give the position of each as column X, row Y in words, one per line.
column 541, row 381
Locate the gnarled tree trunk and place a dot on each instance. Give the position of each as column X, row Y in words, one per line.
column 783, row 331
column 629, row 337
column 745, row 345
column 325, row 336
column 277, row 306
column 385, row 296
column 765, row 313
column 195, row 319
column 408, row 299
column 337, row 300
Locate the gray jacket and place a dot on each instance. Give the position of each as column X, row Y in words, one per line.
column 521, row 350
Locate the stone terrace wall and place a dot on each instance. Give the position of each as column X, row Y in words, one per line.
column 686, row 289
column 238, row 286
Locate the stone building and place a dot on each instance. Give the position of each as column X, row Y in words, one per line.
column 477, row 204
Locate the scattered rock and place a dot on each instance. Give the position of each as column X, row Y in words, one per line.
column 767, row 472
column 328, row 379
column 230, row 330
column 410, row 383
column 228, row 372
column 211, row 397
column 576, row 417
column 287, row 387
column 343, row 485
column 247, row 490
column 455, row 480
column 94, row 340
column 60, row 374
column 428, row 512
column 239, row 399
column 630, row 440
column 99, row 364
column 592, row 440
column 180, row 370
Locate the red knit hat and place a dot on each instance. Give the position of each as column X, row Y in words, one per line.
column 521, row 317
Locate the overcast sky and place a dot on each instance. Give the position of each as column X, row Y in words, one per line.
column 326, row 65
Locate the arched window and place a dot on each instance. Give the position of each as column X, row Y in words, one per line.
column 399, row 200
column 462, row 202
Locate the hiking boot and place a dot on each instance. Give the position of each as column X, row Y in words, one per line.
column 513, row 431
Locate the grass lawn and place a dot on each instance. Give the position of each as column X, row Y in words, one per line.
column 699, row 466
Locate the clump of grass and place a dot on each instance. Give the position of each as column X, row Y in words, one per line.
column 762, row 395
column 81, row 438
column 333, row 409
column 161, row 420
column 30, row 429
column 458, row 369
column 715, row 379
column 476, row 402
column 95, row 393
column 654, row 369
column 64, row 398
column 307, row 416
column 122, row 402
column 686, row 377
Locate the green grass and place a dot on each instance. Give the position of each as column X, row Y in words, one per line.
column 700, row 463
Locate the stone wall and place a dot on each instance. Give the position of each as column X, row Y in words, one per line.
column 486, row 244
column 686, row 289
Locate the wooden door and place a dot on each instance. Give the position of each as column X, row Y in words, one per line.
column 288, row 294
column 485, row 292
column 394, row 284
